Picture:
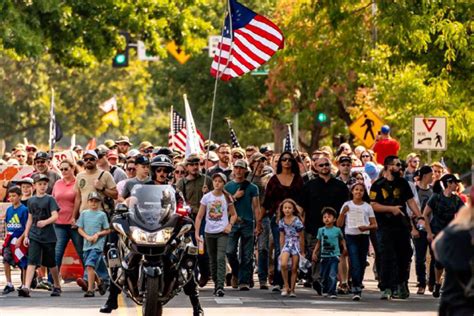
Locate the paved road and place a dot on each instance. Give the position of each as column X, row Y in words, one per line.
column 254, row 302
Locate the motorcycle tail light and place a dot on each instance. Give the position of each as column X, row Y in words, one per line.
column 181, row 210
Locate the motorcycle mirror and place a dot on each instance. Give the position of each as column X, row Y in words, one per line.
column 121, row 208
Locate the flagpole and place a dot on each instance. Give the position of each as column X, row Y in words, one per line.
column 52, row 128
column 171, row 141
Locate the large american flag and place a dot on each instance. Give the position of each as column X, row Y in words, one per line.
column 177, row 135
column 248, row 42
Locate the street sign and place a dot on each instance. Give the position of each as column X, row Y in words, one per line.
column 177, row 52
column 429, row 133
column 142, row 54
column 366, row 127
column 214, row 41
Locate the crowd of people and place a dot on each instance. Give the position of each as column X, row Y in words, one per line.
column 293, row 217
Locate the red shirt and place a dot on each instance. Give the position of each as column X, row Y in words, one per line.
column 386, row 147
column 65, row 196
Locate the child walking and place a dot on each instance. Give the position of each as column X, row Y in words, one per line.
column 14, row 253
column 329, row 243
column 291, row 243
column 359, row 219
column 40, row 235
column 217, row 207
column 93, row 225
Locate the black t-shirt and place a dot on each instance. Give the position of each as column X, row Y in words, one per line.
column 40, row 209
column 443, row 210
column 391, row 193
column 316, row 195
column 455, row 251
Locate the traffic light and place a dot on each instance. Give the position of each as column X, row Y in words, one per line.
column 321, row 119
column 120, row 59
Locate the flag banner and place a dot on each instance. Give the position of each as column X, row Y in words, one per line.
column 249, row 40
column 55, row 131
column 289, row 141
column 193, row 145
column 109, row 107
column 233, row 136
column 178, row 133
column 92, row 144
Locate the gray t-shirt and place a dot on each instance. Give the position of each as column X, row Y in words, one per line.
column 93, row 222
column 424, row 195
column 118, row 174
column 127, row 189
column 40, row 209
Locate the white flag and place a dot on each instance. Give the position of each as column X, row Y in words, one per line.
column 109, row 105
column 192, row 137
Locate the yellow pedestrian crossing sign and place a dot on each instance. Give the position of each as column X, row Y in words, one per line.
column 177, row 52
column 366, row 127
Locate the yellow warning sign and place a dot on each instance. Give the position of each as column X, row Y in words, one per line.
column 177, row 52
column 366, row 127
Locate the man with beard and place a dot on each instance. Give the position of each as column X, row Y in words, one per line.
column 313, row 172
column 123, row 145
column 223, row 166
column 320, row 192
column 41, row 164
column 389, row 196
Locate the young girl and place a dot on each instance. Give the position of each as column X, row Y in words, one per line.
column 291, row 243
column 217, row 206
column 359, row 219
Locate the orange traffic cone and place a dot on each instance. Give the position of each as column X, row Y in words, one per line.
column 71, row 267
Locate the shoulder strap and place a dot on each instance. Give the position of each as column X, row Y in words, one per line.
column 101, row 174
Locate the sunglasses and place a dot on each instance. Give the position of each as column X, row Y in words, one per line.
column 324, row 164
column 285, row 159
column 365, row 156
column 40, row 162
column 88, row 159
column 398, row 164
column 63, row 169
column 159, row 170
column 31, row 150
column 415, row 161
column 148, row 151
column 20, row 156
column 345, row 165
column 238, row 156
column 131, row 169
column 180, row 171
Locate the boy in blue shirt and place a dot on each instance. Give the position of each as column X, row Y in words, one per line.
column 15, row 222
column 329, row 238
column 93, row 225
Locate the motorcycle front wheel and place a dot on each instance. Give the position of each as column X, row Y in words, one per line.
column 151, row 306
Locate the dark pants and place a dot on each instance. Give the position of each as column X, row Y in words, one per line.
column 310, row 243
column 329, row 274
column 396, row 252
column 216, row 248
column 358, row 247
column 277, row 278
column 263, row 250
column 421, row 246
column 446, row 309
column 242, row 269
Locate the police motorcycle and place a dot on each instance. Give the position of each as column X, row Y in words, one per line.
column 154, row 257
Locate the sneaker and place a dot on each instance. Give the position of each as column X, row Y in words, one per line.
column 317, row 287
column 251, row 283
column 263, row 285
column 431, row 287
column 292, row 294
column 8, row 289
column 228, row 279
column 102, row 287
column 56, row 291
column 89, row 294
column 437, row 290
column 333, row 296
column 24, row 292
column 386, row 295
column 356, row 297
column 234, row 282
column 284, row 293
column 325, row 294
column 421, row 289
column 244, row 287
column 220, row 292
column 44, row 285
column 403, row 291
column 82, row 284
column 276, row 288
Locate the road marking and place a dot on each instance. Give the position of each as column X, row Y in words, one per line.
column 229, row 300
column 122, row 310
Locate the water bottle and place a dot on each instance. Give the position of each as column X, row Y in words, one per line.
column 201, row 246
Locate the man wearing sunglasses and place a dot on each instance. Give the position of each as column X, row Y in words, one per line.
column 344, row 165
column 41, row 165
column 389, row 197
column 413, row 163
column 322, row 191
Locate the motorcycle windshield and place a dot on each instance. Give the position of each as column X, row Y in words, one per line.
column 151, row 205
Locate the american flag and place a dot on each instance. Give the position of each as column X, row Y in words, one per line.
column 177, row 135
column 289, row 142
column 233, row 136
column 247, row 43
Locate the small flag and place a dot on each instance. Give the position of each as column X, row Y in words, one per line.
column 55, row 132
column 193, row 145
column 109, row 107
column 92, row 144
column 233, row 136
column 289, row 141
column 249, row 40
column 177, row 134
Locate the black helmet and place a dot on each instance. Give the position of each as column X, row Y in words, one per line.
column 162, row 161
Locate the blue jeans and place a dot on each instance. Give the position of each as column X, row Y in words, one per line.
column 241, row 269
column 277, row 279
column 64, row 233
column 358, row 247
column 263, row 250
column 329, row 274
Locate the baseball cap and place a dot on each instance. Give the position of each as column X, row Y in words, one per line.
column 342, row 159
column 265, row 149
column 40, row 177
column 371, row 170
column 91, row 153
column 94, row 196
column 450, row 178
column 256, row 157
column 142, row 160
column 213, row 156
column 26, row 180
column 193, row 158
column 385, row 129
column 241, row 164
column 133, row 153
column 123, row 139
column 112, row 154
column 424, row 170
column 41, row 155
column 221, row 175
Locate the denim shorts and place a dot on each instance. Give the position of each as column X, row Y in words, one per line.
column 92, row 257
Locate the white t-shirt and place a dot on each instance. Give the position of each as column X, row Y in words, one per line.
column 217, row 216
column 358, row 215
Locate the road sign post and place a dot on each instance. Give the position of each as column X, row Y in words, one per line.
column 366, row 127
column 430, row 133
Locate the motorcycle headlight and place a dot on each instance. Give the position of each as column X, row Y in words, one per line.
column 142, row 237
